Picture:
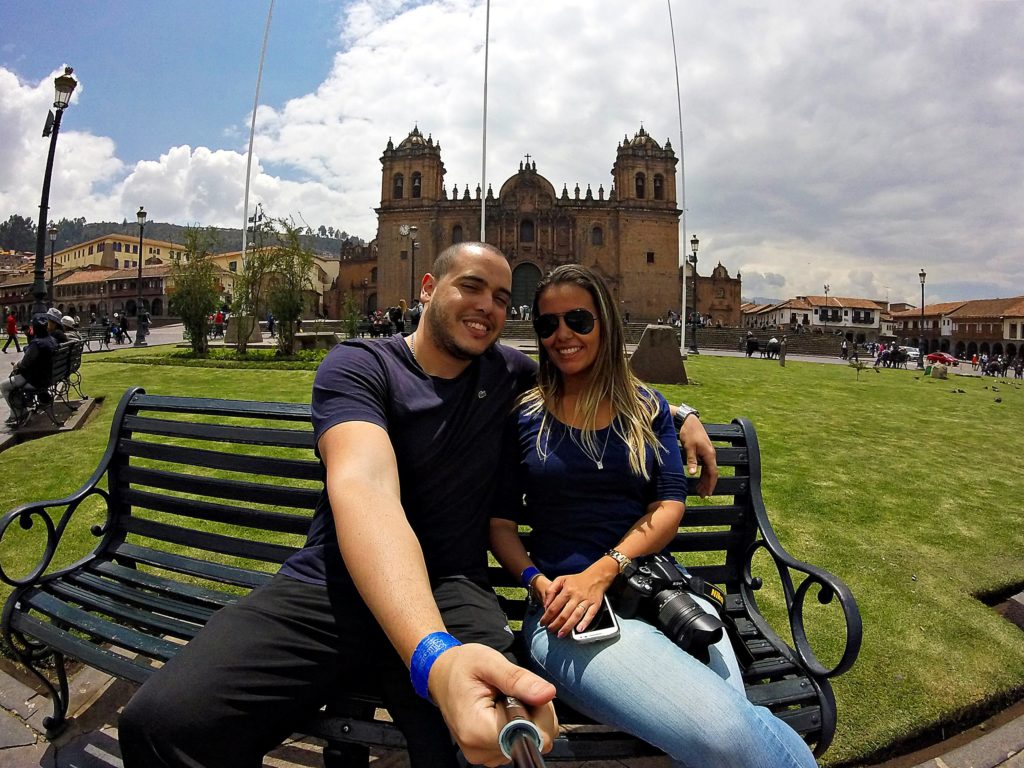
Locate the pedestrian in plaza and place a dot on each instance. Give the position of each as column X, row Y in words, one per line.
column 270, row 323
column 124, row 328
column 782, row 352
column 55, row 325
column 12, row 331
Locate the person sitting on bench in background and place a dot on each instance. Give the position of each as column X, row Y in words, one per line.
column 595, row 454
column 34, row 368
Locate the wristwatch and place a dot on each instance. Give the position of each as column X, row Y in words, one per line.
column 682, row 412
column 619, row 558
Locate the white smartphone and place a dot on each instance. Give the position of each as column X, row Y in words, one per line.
column 603, row 626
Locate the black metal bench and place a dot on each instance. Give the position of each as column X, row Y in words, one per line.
column 201, row 500
column 64, row 374
column 96, row 337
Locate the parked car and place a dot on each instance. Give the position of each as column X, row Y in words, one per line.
column 913, row 353
column 942, row 357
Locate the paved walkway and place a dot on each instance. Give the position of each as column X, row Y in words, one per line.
column 90, row 740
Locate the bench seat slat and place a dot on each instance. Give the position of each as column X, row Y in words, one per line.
column 181, row 591
column 233, row 490
column 120, row 612
column 190, row 566
column 83, row 650
column 121, row 636
column 221, row 433
column 212, row 542
column 782, row 692
column 279, row 522
column 274, row 466
column 133, row 595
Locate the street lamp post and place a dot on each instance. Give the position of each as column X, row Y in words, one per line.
column 694, row 242
column 64, row 86
column 139, row 336
column 922, row 346
column 825, row 332
column 413, row 231
column 366, row 282
column 52, row 231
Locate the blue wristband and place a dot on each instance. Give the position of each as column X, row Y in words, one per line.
column 529, row 574
column 423, row 658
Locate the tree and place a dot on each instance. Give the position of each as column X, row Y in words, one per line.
column 292, row 263
column 196, row 290
column 250, row 284
column 18, row 233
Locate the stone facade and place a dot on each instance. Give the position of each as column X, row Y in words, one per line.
column 630, row 236
column 718, row 297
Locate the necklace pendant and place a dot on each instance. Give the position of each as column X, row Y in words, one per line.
column 600, row 464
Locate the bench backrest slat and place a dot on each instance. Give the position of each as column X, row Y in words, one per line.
column 235, row 490
column 222, row 433
column 193, row 511
column 296, row 469
column 211, row 542
column 220, row 573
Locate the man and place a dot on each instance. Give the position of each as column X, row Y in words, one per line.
column 55, row 325
column 12, row 331
column 408, row 432
column 71, row 328
column 34, row 368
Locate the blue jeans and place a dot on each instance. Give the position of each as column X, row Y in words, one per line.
column 644, row 684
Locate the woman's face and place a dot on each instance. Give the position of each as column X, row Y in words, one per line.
column 573, row 352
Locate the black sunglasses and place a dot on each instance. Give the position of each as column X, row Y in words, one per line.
column 577, row 320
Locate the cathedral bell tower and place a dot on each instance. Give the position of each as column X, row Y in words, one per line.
column 412, row 183
column 645, row 174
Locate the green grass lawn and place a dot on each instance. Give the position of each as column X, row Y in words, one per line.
column 907, row 490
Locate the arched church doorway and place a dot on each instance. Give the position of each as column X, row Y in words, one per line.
column 524, row 283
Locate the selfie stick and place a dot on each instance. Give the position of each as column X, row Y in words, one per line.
column 520, row 739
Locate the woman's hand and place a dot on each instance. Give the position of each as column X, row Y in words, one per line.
column 573, row 600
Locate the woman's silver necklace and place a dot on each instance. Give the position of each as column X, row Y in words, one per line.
column 598, row 461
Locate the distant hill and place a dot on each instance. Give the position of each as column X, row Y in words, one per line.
column 761, row 300
column 72, row 232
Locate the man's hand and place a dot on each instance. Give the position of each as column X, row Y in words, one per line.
column 697, row 446
column 466, row 681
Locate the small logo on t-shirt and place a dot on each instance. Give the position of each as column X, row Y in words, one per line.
column 482, row 394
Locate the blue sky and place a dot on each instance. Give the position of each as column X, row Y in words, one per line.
column 177, row 71
column 851, row 142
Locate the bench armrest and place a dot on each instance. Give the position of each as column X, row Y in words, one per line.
column 26, row 516
column 829, row 586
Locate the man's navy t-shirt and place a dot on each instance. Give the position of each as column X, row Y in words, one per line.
column 446, row 435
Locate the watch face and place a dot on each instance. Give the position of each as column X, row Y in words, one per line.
column 403, row 230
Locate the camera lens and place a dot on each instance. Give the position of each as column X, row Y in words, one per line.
column 685, row 623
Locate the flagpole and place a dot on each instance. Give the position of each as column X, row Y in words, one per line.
column 483, row 162
column 252, row 131
column 682, row 185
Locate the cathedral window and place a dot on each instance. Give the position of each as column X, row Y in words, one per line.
column 416, row 184
column 457, row 234
column 650, row 257
column 641, row 185
column 398, row 186
column 526, row 231
column 373, row 275
column 659, row 187
column 597, row 236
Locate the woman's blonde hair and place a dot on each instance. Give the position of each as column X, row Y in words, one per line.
column 634, row 405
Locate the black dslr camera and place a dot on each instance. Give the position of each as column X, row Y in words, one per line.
column 653, row 589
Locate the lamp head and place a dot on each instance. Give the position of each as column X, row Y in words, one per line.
column 141, row 216
column 922, row 275
column 694, row 242
column 52, row 230
column 64, row 86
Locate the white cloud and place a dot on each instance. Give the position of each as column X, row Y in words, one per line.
column 843, row 143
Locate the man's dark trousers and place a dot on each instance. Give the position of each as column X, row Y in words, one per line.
column 261, row 667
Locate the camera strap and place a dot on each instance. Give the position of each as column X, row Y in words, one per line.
column 702, row 588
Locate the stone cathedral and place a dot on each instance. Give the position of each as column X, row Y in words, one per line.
column 629, row 234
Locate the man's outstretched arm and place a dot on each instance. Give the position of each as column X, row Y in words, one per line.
column 384, row 558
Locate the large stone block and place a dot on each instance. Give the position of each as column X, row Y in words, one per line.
column 657, row 358
column 231, row 334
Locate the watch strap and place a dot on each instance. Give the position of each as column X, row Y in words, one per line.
column 622, row 560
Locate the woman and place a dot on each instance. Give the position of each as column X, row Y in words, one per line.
column 601, row 477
